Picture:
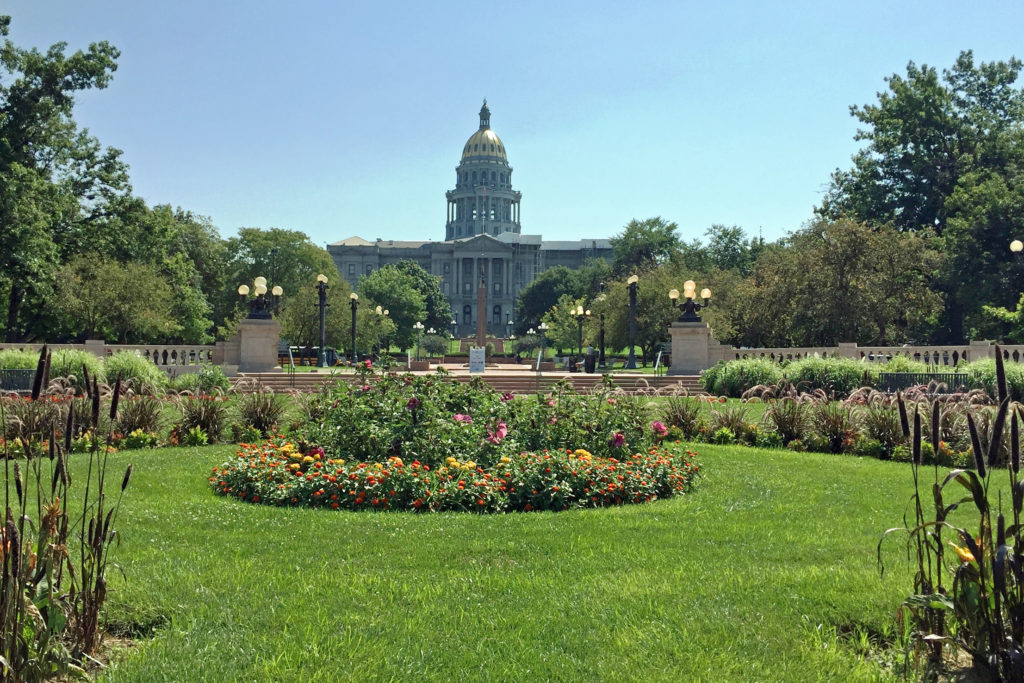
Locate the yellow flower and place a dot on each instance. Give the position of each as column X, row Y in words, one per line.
column 308, row 459
column 294, row 466
column 580, row 453
column 397, row 462
column 505, row 458
column 469, row 465
column 964, row 554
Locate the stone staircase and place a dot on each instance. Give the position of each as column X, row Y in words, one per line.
column 517, row 383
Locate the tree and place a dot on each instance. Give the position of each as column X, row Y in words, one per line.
column 56, row 182
column 285, row 257
column 129, row 303
column 643, row 245
column 536, row 298
column 563, row 329
column 396, row 291
column 944, row 154
column 438, row 310
column 654, row 312
column 300, row 315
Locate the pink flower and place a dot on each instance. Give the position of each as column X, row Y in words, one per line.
column 368, row 363
column 459, row 417
column 659, row 428
column 611, row 401
column 506, row 397
column 551, row 402
column 553, row 420
column 618, row 438
column 499, row 434
column 365, row 388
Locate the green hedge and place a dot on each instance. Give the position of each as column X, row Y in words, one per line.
column 981, row 374
column 141, row 372
column 838, row 375
column 13, row 359
column 735, row 377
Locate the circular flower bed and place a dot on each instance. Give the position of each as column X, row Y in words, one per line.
column 277, row 472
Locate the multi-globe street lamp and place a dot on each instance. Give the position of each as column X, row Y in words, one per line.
column 455, row 330
column 383, row 313
column 259, row 306
column 631, row 360
column 419, row 333
column 689, row 308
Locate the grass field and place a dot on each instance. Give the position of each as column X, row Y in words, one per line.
column 748, row 578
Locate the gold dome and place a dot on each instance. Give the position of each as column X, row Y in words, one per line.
column 484, row 143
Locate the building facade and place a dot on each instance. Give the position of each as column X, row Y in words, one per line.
column 483, row 241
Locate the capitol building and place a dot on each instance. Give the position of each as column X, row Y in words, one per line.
column 483, row 240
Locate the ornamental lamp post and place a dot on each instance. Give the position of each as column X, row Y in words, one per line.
column 321, row 291
column 419, row 332
column 542, row 328
column 689, row 308
column 259, row 307
column 600, row 335
column 580, row 315
column 354, row 304
column 631, row 360
column 277, row 291
column 1016, row 246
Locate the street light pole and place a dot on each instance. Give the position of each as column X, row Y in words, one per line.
column 580, row 316
column 321, row 290
column 419, row 331
column 600, row 338
column 631, row 360
column 542, row 328
column 354, row 303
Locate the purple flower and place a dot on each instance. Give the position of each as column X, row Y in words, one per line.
column 459, row 417
column 659, row 428
column 618, row 438
column 506, row 397
column 364, row 388
column 413, row 403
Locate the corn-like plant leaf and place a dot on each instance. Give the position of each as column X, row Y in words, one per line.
column 970, row 481
column 970, row 543
column 936, row 433
column 115, row 398
column 996, row 438
column 979, row 457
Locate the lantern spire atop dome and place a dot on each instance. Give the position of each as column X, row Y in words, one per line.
column 485, row 116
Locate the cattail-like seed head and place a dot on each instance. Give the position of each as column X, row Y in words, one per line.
column 69, row 427
column 127, row 477
column 14, row 543
column 1000, row 530
column 17, row 483
column 917, row 437
column 979, row 457
column 1000, row 375
column 88, row 386
column 95, row 404
column 106, row 523
column 904, row 422
column 37, row 380
column 936, row 433
column 996, row 437
column 92, row 531
column 1018, row 497
column 1015, row 444
column 46, row 371
column 115, row 398
column 52, row 445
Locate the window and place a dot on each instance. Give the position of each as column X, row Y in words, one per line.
column 447, row 268
column 492, row 146
column 475, row 147
column 497, row 288
column 474, row 176
column 445, row 288
column 352, row 269
column 467, row 315
column 494, row 177
column 496, row 315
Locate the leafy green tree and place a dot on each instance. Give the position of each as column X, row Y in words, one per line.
column 643, row 245
column 300, row 315
column 396, row 291
column 285, row 257
column 945, row 153
column 654, row 312
column 127, row 303
column 536, row 299
column 56, row 182
column 439, row 311
column 563, row 329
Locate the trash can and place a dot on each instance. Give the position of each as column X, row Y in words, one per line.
column 332, row 357
column 590, row 363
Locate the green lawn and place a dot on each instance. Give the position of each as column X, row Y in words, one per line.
column 744, row 579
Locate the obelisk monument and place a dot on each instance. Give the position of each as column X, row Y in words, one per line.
column 481, row 312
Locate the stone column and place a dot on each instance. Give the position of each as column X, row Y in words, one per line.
column 690, row 345
column 257, row 345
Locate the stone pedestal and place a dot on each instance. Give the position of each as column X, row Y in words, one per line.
column 690, row 343
column 258, row 340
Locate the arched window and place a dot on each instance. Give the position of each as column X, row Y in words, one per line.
column 496, row 315
column 467, row 315
column 494, row 177
column 492, row 146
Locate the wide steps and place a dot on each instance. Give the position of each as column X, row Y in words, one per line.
column 514, row 384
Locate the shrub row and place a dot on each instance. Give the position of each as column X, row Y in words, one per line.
column 840, row 376
column 134, row 370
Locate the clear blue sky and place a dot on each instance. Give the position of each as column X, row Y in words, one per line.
column 348, row 118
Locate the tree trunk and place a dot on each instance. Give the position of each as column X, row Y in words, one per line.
column 13, row 309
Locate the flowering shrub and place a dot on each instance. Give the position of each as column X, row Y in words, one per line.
column 277, row 472
column 434, row 418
